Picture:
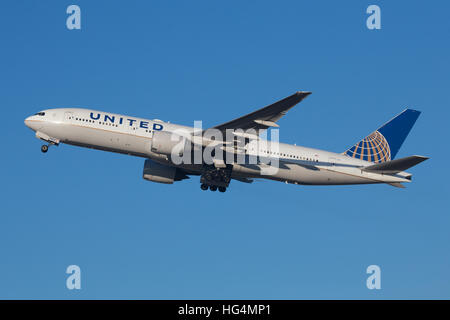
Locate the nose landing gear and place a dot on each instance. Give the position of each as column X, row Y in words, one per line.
column 44, row 147
column 46, row 138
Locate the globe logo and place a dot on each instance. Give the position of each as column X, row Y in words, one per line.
column 373, row 148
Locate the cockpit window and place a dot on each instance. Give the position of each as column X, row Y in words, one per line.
column 40, row 114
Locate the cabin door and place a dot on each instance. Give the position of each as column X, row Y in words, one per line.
column 68, row 117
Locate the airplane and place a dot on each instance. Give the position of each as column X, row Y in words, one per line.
column 249, row 156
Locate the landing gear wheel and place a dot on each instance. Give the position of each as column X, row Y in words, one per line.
column 44, row 148
column 213, row 188
column 204, row 186
column 222, row 189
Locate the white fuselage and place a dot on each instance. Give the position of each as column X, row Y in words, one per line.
column 133, row 136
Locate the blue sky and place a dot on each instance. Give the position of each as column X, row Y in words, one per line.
column 213, row 61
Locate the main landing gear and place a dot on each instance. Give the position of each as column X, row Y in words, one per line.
column 215, row 178
column 204, row 186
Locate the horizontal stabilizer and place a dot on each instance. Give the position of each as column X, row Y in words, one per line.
column 395, row 166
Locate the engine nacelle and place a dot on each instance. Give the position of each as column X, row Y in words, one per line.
column 164, row 142
column 156, row 172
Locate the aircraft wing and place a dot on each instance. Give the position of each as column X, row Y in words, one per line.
column 266, row 117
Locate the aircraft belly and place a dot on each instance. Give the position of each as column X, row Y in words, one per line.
column 302, row 174
column 316, row 175
column 332, row 176
column 325, row 177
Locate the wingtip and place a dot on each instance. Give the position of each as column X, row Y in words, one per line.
column 304, row 93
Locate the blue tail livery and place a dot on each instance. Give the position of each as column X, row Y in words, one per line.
column 383, row 144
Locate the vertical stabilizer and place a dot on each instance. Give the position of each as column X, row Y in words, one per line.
column 383, row 144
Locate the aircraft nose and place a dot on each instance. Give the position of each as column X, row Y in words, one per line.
column 27, row 122
column 31, row 123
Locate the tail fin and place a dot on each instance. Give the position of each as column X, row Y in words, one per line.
column 383, row 144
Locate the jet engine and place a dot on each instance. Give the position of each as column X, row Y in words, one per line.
column 156, row 172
